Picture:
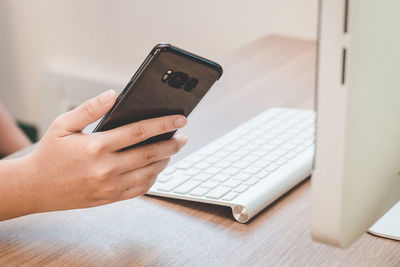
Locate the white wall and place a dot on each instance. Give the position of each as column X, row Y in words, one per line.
column 112, row 37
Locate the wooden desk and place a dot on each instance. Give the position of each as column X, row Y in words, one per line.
column 273, row 71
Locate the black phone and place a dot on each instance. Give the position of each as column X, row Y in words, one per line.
column 170, row 81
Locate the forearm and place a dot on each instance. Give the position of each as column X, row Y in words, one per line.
column 12, row 138
column 17, row 196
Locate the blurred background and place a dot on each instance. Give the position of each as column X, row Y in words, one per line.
column 57, row 53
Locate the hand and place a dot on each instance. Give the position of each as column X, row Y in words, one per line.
column 70, row 169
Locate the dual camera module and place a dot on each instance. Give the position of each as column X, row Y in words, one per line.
column 179, row 80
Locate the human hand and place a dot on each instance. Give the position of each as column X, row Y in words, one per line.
column 70, row 169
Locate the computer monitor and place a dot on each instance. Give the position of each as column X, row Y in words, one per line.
column 357, row 162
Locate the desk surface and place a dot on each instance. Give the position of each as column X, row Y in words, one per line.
column 274, row 71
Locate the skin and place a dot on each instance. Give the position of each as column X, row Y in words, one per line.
column 11, row 137
column 70, row 170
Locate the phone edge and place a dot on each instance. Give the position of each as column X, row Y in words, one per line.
column 157, row 49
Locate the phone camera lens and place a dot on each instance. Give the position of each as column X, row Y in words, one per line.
column 178, row 79
column 166, row 75
column 164, row 78
column 190, row 84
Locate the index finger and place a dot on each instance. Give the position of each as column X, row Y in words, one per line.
column 134, row 133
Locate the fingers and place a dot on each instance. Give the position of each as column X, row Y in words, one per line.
column 90, row 111
column 138, row 182
column 142, row 156
column 137, row 132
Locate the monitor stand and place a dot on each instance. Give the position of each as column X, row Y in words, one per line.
column 389, row 225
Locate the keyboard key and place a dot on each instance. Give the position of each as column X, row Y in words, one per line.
column 195, row 158
column 262, row 163
column 183, row 165
column 218, row 192
column 281, row 161
column 257, row 131
column 212, row 159
column 271, row 157
column 259, row 141
column 231, row 147
column 250, row 158
column 232, row 183
column 251, row 146
column 290, row 155
column 272, row 167
column 220, row 177
column 230, row 196
column 280, row 151
column 241, row 152
column 212, row 170
column 241, row 176
column 299, row 149
column 240, row 164
column 277, row 141
column 162, row 178
column 192, row 171
column 251, row 181
column 240, row 142
column 223, row 164
column 249, row 136
column 288, row 146
column 173, row 183
column 202, row 165
column 259, row 153
column 199, row 191
column 232, row 158
column 268, row 147
column 186, row 187
column 222, row 153
column 231, row 170
column 201, row 177
column 210, row 184
column 262, row 174
column 169, row 170
column 240, row 188
column 252, row 170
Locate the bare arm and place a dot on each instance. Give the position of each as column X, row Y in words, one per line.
column 11, row 137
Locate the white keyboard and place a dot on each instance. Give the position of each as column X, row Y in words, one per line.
column 247, row 168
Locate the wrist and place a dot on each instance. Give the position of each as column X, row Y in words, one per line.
column 31, row 177
column 17, row 188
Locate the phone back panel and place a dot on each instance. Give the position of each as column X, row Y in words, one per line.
column 148, row 96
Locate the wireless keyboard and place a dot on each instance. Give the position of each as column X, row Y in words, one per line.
column 247, row 168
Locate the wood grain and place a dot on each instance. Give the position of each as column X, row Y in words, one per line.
column 152, row 231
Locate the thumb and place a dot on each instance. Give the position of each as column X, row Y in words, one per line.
column 90, row 111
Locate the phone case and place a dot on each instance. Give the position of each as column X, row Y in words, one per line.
column 169, row 81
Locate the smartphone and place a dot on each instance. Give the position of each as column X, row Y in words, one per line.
column 170, row 81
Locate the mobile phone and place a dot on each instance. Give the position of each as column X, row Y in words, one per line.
column 170, row 81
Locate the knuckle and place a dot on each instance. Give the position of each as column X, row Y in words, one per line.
column 58, row 122
column 139, row 131
column 88, row 108
column 108, row 192
column 153, row 172
column 150, row 182
column 95, row 148
column 175, row 146
column 150, row 155
column 144, row 190
column 165, row 163
column 103, row 173
column 164, row 125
